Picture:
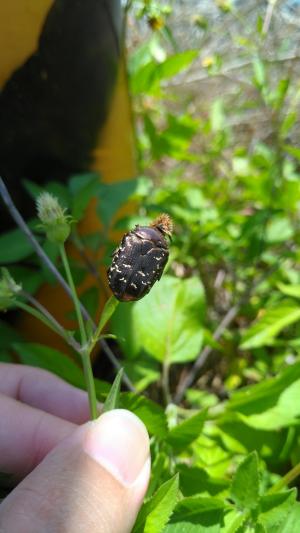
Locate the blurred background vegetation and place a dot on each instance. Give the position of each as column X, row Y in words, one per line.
column 214, row 88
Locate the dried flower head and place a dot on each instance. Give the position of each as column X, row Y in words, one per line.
column 164, row 223
column 55, row 222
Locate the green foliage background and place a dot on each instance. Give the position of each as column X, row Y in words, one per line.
column 225, row 165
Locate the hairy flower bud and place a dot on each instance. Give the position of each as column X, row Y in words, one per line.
column 54, row 220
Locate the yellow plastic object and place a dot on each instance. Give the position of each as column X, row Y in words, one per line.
column 21, row 24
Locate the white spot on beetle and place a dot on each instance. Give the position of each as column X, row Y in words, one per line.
column 133, row 285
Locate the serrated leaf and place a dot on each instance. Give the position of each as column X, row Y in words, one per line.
column 245, row 483
column 155, row 513
column 292, row 522
column 185, row 433
column 112, row 400
column 233, row 521
column 270, row 325
column 148, row 411
column 196, row 515
column 274, row 510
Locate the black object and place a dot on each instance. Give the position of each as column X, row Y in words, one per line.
column 140, row 259
column 54, row 105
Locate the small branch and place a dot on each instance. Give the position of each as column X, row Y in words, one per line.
column 58, row 328
column 226, row 71
column 166, row 382
column 227, row 320
column 268, row 17
column 45, row 259
column 201, row 360
column 286, row 480
column 75, row 299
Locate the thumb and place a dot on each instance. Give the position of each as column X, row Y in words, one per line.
column 93, row 481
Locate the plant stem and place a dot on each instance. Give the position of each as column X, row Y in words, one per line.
column 85, row 350
column 286, row 480
column 90, row 384
column 166, row 382
column 52, row 268
column 74, row 294
column 41, row 313
column 37, row 315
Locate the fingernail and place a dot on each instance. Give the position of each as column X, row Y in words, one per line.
column 119, row 441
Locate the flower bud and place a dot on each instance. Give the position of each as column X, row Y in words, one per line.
column 54, row 220
column 8, row 290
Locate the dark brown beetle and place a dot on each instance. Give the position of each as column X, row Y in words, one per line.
column 140, row 259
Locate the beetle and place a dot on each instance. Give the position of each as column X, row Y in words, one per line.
column 140, row 259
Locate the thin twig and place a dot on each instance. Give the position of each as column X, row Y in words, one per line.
column 201, row 360
column 227, row 320
column 41, row 254
column 203, row 76
column 268, row 17
column 166, row 382
column 60, row 330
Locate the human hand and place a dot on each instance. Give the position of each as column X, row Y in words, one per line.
column 77, row 476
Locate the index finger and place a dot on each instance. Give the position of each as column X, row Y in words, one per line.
column 45, row 391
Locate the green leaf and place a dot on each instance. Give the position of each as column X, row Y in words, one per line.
column 195, row 480
column 112, row 400
column 278, row 229
column 83, row 188
column 112, row 197
column 30, row 278
column 175, row 64
column 50, row 359
column 108, row 310
column 142, row 372
column 217, row 115
column 274, row 511
column 292, row 522
column 196, row 515
column 155, row 513
column 148, row 411
column 148, row 78
column 185, row 433
column 245, row 483
column 8, row 335
column 283, row 414
column 289, row 290
column 259, row 72
column 262, row 396
column 14, row 246
column 270, row 325
column 56, row 362
column 123, row 326
column 293, row 150
column 169, row 320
